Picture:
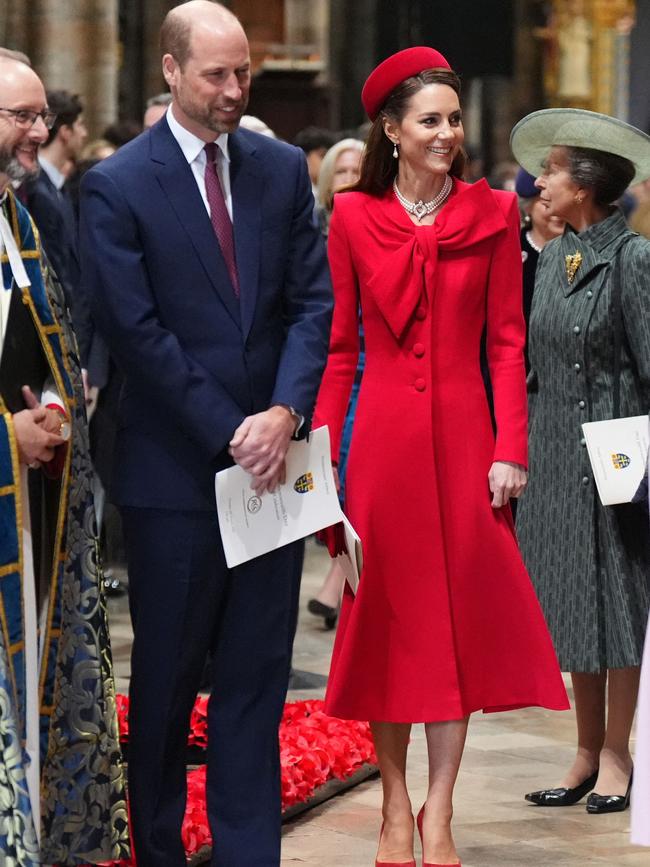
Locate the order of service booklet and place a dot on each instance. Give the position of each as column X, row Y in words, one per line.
column 351, row 560
column 305, row 503
column 618, row 451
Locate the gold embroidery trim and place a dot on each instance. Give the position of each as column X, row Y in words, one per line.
column 27, row 254
column 15, row 465
column 67, row 402
column 57, row 566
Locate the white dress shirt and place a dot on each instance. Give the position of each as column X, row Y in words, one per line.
column 57, row 178
column 192, row 147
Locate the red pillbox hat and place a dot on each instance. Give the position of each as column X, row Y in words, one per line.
column 384, row 78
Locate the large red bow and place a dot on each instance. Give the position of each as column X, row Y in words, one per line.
column 408, row 254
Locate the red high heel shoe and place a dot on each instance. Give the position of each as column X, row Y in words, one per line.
column 428, row 863
column 393, row 863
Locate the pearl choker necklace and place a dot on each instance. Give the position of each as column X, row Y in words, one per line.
column 532, row 243
column 423, row 209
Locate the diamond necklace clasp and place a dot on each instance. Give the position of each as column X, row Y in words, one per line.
column 422, row 209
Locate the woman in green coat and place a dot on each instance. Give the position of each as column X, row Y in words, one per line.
column 590, row 564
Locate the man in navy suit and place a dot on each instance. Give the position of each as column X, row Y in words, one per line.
column 209, row 282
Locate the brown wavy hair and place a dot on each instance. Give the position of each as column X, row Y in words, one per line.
column 379, row 167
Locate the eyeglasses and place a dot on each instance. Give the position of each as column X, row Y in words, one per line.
column 25, row 118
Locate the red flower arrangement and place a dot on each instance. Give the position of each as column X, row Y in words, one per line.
column 314, row 748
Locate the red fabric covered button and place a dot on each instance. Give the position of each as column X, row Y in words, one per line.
column 420, row 385
column 421, row 313
column 418, row 350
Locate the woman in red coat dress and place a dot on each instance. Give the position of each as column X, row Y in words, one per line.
column 445, row 621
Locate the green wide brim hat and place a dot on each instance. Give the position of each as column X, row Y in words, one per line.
column 533, row 137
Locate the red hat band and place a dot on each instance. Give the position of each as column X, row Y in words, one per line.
column 383, row 80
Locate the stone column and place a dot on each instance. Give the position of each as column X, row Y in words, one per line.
column 153, row 13
column 353, row 48
column 640, row 68
column 614, row 20
column 13, row 24
column 307, row 24
column 74, row 46
column 528, row 87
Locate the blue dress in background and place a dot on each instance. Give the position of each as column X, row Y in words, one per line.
column 349, row 417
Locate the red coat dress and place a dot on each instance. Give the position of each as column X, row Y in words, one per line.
column 445, row 621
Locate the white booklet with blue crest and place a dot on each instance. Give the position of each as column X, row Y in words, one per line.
column 305, row 503
column 618, row 451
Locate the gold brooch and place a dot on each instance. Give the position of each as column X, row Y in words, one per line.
column 572, row 263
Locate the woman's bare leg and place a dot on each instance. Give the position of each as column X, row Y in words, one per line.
column 445, row 743
column 332, row 587
column 391, row 745
column 589, row 700
column 615, row 758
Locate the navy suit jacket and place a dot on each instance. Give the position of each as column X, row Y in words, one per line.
column 54, row 216
column 196, row 359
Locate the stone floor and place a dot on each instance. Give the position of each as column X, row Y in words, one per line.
column 506, row 755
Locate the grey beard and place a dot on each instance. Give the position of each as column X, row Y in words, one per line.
column 11, row 167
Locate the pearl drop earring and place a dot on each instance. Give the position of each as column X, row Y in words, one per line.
column 395, row 151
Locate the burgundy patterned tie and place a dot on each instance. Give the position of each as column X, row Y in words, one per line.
column 219, row 216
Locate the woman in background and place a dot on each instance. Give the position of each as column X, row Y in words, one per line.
column 538, row 228
column 339, row 169
column 590, row 564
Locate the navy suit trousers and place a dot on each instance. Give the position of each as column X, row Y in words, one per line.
column 185, row 604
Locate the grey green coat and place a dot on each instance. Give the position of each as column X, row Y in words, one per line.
column 590, row 564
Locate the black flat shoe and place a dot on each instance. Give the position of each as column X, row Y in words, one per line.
column 329, row 614
column 562, row 797
column 610, row 803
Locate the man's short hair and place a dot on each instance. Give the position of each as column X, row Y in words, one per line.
column 67, row 107
column 176, row 33
column 313, row 138
column 18, row 56
column 159, row 99
column 176, row 37
column 121, row 132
